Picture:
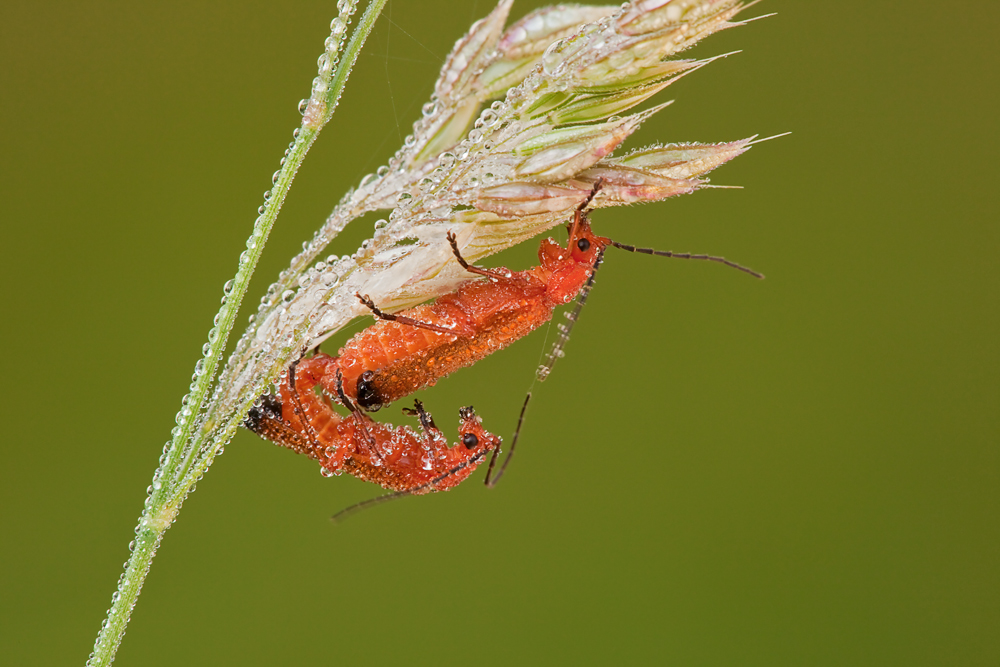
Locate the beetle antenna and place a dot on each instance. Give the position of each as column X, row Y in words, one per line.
column 372, row 502
column 687, row 255
column 492, row 480
column 563, row 336
column 365, row 504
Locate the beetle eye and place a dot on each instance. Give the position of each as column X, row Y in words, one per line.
column 583, row 245
column 470, row 440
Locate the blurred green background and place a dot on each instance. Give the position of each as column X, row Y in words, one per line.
column 799, row 471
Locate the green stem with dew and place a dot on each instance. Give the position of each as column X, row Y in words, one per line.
column 195, row 442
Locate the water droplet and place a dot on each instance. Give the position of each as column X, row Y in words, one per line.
column 287, row 296
column 261, row 210
column 303, row 105
column 337, row 27
column 267, row 195
column 227, row 289
column 343, row 6
column 404, row 197
column 275, row 176
column 326, row 473
column 380, row 224
column 382, row 171
column 429, row 109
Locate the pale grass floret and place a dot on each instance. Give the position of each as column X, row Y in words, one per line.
column 565, row 74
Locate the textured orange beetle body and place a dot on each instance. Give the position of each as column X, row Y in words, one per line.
column 396, row 458
column 391, row 360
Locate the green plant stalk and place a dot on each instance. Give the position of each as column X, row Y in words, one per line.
column 178, row 473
